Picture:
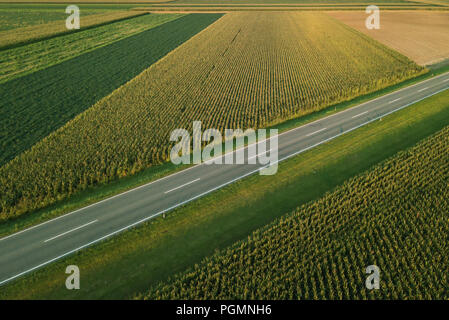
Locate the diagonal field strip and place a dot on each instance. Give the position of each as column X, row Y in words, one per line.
column 17, row 62
column 378, row 108
column 57, row 94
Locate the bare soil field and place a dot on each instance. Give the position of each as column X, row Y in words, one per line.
column 423, row 36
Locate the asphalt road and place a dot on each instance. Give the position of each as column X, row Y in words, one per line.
column 33, row 248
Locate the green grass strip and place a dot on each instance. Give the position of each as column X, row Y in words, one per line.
column 35, row 105
column 17, row 62
column 133, row 261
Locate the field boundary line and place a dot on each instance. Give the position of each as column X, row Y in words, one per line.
column 218, row 187
column 203, row 163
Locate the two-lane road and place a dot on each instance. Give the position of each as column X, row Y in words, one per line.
column 42, row 244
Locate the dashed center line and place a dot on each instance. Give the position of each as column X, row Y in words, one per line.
column 311, row 134
column 423, row 89
column 360, row 114
column 77, row 228
column 183, row 185
column 395, row 100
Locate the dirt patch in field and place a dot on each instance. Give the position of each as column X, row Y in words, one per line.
column 423, row 36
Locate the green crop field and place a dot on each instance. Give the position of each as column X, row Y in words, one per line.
column 394, row 216
column 87, row 118
column 17, row 18
column 13, row 16
column 17, row 62
column 31, row 108
column 310, row 2
column 245, row 70
column 207, row 2
column 160, row 248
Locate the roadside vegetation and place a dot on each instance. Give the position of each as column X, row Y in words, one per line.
column 142, row 257
column 245, row 70
column 14, row 17
column 393, row 216
column 21, row 36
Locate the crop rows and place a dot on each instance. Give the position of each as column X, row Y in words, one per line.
column 17, row 62
column 394, row 216
column 245, row 70
column 35, row 105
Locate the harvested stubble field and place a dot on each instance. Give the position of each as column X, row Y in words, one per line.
column 264, row 2
column 423, row 36
column 394, row 216
column 244, row 70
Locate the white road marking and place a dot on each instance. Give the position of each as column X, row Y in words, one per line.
column 211, row 190
column 423, row 89
column 394, row 100
column 257, row 155
column 360, row 114
column 183, row 185
column 209, row 161
column 311, row 134
column 77, row 228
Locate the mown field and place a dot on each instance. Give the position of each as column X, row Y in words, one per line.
column 35, row 105
column 394, row 216
column 245, row 70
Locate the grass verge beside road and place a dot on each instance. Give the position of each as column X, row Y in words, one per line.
column 35, row 105
column 115, row 187
column 134, row 260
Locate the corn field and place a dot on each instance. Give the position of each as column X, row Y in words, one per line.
column 244, row 70
column 395, row 216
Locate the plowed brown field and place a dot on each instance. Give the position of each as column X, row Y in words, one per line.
column 423, row 36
